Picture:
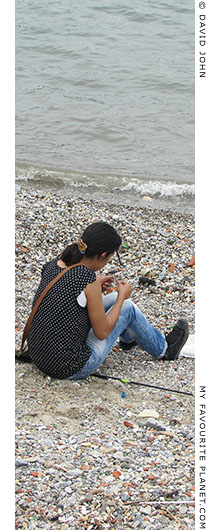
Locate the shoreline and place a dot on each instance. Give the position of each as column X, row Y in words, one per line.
column 61, row 185
column 107, row 462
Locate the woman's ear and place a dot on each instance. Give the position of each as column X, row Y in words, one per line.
column 105, row 256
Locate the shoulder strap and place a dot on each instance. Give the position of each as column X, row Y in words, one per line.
column 38, row 302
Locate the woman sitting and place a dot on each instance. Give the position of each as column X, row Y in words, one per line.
column 75, row 326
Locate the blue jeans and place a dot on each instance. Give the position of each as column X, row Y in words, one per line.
column 131, row 325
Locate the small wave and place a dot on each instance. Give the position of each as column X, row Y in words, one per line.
column 158, row 188
column 150, row 188
column 43, row 177
column 111, row 184
column 120, row 188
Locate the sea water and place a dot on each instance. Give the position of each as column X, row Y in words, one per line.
column 105, row 99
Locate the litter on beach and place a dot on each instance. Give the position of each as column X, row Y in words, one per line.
column 189, row 348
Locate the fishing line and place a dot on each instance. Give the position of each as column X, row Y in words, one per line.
column 141, row 384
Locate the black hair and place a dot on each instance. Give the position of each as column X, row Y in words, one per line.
column 99, row 237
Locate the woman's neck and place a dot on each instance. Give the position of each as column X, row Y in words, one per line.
column 61, row 264
column 95, row 263
column 85, row 261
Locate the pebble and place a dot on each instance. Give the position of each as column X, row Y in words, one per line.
column 183, row 508
column 154, row 424
column 78, row 465
column 149, row 413
column 20, row 462
column 147, row 510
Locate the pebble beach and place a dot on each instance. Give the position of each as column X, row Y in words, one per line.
column 100, row 453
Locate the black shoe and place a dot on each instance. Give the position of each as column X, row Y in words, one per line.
column 127, row 345
column 176, row 340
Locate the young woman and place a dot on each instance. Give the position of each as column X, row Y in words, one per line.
column 75, row 326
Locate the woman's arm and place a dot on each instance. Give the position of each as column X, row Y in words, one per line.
column 101, row 322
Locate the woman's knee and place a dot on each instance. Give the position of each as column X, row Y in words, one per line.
column 128, row 305
column 109, row 300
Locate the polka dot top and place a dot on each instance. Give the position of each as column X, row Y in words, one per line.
column 58, row 333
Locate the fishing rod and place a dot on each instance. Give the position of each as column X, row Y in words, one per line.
column 141, row 384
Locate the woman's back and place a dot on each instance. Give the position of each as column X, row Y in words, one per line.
column 57, row 337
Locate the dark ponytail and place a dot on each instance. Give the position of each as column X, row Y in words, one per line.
column 71, row 255
column 99, row 237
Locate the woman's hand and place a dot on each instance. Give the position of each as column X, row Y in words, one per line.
column 124, row 289
column 106, row 282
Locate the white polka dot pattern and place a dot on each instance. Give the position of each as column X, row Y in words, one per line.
column 58, row 333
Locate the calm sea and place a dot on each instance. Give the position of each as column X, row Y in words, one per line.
column 105, row 99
